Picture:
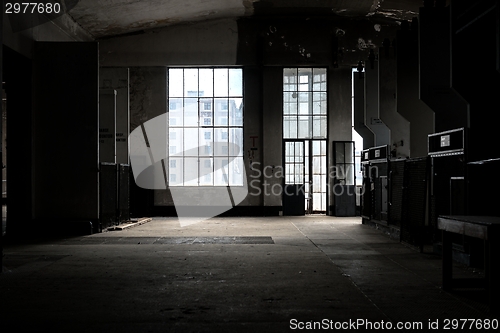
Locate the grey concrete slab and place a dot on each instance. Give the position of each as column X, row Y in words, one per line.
column 223, row 275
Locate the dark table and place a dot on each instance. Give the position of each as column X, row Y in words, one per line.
column 486, row 228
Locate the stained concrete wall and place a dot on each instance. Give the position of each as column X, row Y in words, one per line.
column 204, row 43
column 20, row 35
column 148, row 99
column 107, row 125
column 372, row 113
column 118, row 80
column 398, row 125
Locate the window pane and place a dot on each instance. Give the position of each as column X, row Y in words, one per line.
column 290, row 79
column 236, row 111
column 191, row 112
column 221, row 171
column 299, row 174
column 205, row 112
column 290, row 103
column 323, row 148
column 221, row 111
column 319, row 127
column 191, row 142
column 206, row 172
column 206, row 82
column 236, row 142
column 175, row 116
column 290, row 127
column 175, row 82
column 319, row 79
column 220, row 82
column 235, row 82
column 304, row 103
column 339, row 148
column 349, row 174
column 175, row 145
column 191, row 171
column 191, row 83
column 304, row 127
column 316, row 201
column 319, row 103
column 175, row 174
column 221, row 136
column 236, row 172
column 324, row 126
column 206, row 142
column 305, row 75
column 349, row 153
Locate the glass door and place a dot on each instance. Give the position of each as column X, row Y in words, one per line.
column 294, row 187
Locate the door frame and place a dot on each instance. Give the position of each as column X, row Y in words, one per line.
column 309, row 142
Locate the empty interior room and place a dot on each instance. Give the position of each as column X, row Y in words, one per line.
column 250, row 165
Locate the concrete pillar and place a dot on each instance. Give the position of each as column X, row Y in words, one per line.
column 339, row 115
column 398, row 125
column 339, row 105
column 359, row 112
column 253, row 133
column 272, row 132
column 409, row 105
column 452, row 111
column 372, row 114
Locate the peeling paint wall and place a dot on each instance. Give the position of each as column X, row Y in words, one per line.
column 148, row 99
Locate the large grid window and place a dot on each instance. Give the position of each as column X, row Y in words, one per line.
column 205, row 126
column 304, row 103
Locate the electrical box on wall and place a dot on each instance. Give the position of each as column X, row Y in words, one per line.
column 447, row 143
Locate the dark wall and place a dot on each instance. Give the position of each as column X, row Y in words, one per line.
column 65, row 131
column 475, row 75
column 451, row 110
column 409, row 105
column 17, row 78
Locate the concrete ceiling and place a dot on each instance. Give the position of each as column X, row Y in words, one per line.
column 108, row 18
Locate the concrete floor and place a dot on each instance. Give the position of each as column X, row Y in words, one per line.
column 227, row 275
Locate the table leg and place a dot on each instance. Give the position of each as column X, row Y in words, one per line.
column 447, row 261
column 492, row 273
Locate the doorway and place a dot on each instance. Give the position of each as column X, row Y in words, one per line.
column 305, row 181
